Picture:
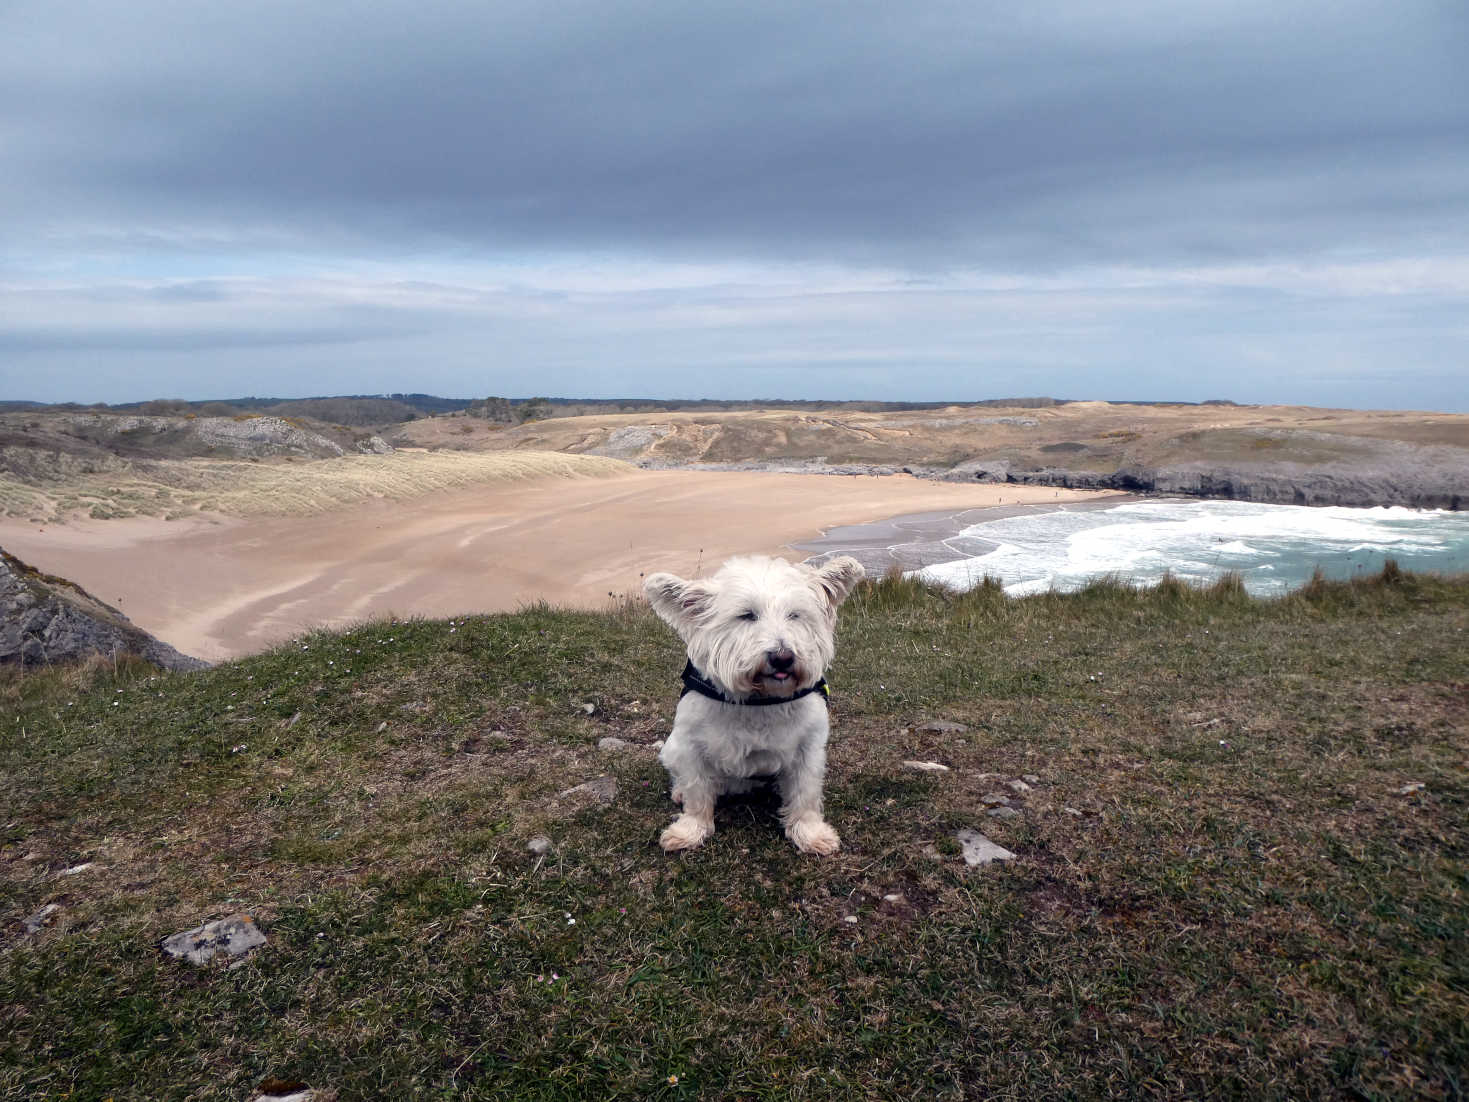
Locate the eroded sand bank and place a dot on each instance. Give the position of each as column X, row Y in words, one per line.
column 219, row 587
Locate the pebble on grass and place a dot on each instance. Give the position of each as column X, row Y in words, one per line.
column 926, row 766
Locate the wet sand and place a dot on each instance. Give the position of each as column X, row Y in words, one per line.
column 219, row 587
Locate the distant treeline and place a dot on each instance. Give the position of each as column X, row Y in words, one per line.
column 365, row 410
column 384, row 409
column 356, row 410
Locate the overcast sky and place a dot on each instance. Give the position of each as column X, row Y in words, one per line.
column 1261, row 200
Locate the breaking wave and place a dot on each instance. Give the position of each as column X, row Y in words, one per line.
column 1275, row 548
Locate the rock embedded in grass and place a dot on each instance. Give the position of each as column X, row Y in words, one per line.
column 36, row 922
column 540, row 845
column 233, row 937
column 979, row 850
column 1003, row 812
column 926, row 766
column 303, row 1094
column 600, row 791
column 942, row 727
column 610, row 743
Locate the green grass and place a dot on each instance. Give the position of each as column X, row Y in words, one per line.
column 1220, row 891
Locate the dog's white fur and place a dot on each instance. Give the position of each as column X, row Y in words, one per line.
column 759, row 627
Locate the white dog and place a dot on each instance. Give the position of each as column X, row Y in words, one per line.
column 759, row 635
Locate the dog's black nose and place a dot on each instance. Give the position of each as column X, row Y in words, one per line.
column 782, row 659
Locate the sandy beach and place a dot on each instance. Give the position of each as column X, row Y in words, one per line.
column 219, row 587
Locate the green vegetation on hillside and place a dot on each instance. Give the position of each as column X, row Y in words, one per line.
column 1226, row 885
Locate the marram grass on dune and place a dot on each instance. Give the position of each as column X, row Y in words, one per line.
column 173, row 488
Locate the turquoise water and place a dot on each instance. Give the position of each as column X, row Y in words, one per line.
column 1275, row 548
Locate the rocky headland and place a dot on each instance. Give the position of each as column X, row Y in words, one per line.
column 46, row 620
column 1362, row 473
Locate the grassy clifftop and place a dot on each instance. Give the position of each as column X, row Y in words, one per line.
column 1225, row 883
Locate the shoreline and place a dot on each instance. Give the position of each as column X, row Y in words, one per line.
column 1429, row 485
column 220, row 587
column 912, row 541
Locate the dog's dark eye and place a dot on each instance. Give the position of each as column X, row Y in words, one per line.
column 793, row 616
column 749, row 614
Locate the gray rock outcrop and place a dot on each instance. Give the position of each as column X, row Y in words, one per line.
column 45, row 620
column 263, row 436
column 1358, row 473
column 1287, row 484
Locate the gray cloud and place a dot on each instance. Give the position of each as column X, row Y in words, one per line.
column 159, row 146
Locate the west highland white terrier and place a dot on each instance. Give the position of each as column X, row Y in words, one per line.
column 754, row 706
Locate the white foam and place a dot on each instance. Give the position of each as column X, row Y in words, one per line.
column 1196, row 540
column 1240, row 547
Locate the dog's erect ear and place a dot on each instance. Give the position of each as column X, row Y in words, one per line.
column 839, row 577
column 678, row 603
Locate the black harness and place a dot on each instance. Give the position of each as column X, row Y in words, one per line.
column 695, row 682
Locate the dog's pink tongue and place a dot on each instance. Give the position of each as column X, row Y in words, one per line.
column 781, row 675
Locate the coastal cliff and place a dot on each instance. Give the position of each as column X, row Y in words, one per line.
column 1427, row 481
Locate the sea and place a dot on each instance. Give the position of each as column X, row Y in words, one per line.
column 1274, row 548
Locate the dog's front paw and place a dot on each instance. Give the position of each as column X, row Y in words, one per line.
column 814, row 836
column 685, row 832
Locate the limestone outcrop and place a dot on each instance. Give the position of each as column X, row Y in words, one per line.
column 45, row 620
column 1423, row 486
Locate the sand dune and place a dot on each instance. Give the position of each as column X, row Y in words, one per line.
column 218, row 587
column 109, row 487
